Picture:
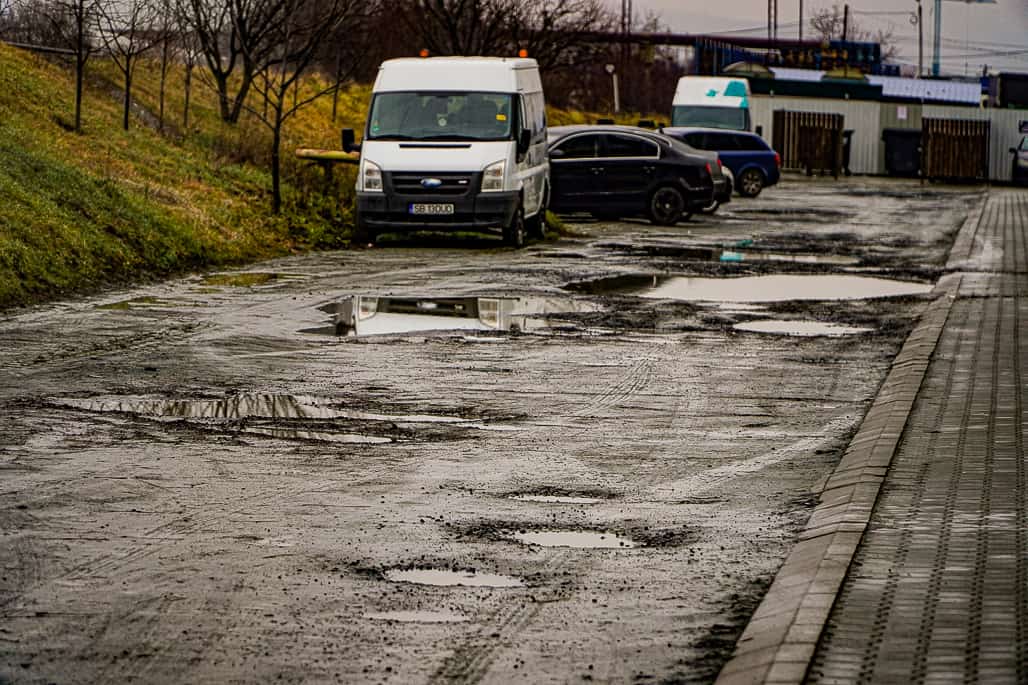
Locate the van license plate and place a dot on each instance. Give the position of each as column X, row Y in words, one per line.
column 431, row 209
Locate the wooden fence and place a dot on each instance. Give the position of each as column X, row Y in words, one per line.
column 811, row 141
column 955, row 149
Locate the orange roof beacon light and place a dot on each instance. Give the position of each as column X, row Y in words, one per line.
column 424, row 52
column 522, row 53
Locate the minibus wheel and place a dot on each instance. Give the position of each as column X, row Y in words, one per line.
column 514, row 232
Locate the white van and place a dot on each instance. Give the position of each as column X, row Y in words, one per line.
column 454, row 143
column 712, row 102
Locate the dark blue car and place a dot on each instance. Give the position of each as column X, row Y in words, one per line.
column 751, row 160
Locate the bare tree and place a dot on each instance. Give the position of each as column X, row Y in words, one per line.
column 231, row 34
column 299, row 30
column 459, row 27
column 168, row 30
column 127, row 29
column 189, row 49
column 829, row 24
column 555, row 32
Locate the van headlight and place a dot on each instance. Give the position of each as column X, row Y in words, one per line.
column 371, row 177
column 493, row 176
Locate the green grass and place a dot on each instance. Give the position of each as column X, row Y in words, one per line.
column 82, row 211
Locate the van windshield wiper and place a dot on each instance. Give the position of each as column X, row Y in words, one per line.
column 453, row 136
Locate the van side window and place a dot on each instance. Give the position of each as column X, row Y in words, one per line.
column 696, row 140
column 580, row 147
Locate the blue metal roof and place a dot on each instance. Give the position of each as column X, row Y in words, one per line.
column 928, row 90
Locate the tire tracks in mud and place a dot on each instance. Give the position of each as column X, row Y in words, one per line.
column 471, row 661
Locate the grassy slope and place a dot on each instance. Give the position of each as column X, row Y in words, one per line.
column 79, row 211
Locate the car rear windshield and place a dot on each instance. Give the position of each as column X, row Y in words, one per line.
column 440, row 116
column 715, row 117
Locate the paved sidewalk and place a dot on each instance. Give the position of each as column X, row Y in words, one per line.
column 914, row 567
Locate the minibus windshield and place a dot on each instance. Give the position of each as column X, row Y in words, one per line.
column 440, row 116
column 735, row 118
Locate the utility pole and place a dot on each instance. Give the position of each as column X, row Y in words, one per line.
column 920, row 40
column 801, row 19
column 772, row 20
column 938, row 36
column 845, row 21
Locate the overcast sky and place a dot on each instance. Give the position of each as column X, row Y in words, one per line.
column 969, row 31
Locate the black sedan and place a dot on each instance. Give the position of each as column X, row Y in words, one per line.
column 615, row 171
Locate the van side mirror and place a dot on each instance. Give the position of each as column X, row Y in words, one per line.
column 350, row 143
column 1014, row 150
column 524, row 141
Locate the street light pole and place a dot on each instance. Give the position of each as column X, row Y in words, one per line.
column 612, row 70
column 920, row 40
column 801, row 20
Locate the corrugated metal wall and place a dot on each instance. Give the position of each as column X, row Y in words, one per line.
column 862, row 118
column 867, row 120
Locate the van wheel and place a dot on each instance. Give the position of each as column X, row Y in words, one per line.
column 536, row 225
column 514, row 232
column 666, row 206
column 750, row 183
column 362, row 235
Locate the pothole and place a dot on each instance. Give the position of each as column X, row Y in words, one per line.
column 417, row 616
column 800, row 328
column 449, row 578
column 556, row 499
column 366, row 315
column 582, row 539
column 781, row 288
column 240, row 280
column 833, row 260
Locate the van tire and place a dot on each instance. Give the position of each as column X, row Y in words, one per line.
column 514, row 232
column 666, row 206
column 362, row 235
column 750, row 183
column 537, row 224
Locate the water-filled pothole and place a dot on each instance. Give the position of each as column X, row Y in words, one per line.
column 556, row 499
column 796, row 258
column 417, row 616
column 800, row 328
column 781, row 288
column 448, row 578
column 582, row 539
column 364, row 315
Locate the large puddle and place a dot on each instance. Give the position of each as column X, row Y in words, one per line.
column 365, row 315
column 781, row 288
column 806, row 329
column 448, row 578
column 581, row 539
column 556, row 499
column 417, row 616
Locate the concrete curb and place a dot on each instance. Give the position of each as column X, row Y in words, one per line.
column 780, row 640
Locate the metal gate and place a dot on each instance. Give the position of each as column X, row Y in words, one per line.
column 811, row 141
column 955, row 149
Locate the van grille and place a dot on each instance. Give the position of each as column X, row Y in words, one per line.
column 409, row 183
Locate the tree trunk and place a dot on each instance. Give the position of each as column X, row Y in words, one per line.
column 188, row 88
column 128, row 94
column 80, row 63
column 276, row 181
column 164, row 79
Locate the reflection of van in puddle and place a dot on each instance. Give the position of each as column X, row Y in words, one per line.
column 363, row 315
column 712, row 102
column 454, row 143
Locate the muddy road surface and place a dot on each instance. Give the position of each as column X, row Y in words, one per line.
column 434, row 463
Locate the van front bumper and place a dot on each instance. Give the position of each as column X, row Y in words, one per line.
column 381, row 212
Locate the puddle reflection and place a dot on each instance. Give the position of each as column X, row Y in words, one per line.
column 364, row 315
column 582, row 539
column 448, row 578
column 781, row 288
column 800, row 328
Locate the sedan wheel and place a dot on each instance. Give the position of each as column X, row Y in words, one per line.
column 750, row 183
column 666, row 206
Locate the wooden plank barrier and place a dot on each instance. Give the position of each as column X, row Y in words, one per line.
column 810, row 141
column 955, row 149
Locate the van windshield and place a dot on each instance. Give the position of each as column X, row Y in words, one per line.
column 440, row 116
column 735, row 118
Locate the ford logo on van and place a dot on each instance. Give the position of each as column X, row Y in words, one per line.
column 431, row 182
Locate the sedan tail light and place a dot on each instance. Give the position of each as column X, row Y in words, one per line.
column 709, row 171
column 778, row 160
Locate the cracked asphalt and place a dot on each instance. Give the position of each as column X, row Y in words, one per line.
column 202, row 482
